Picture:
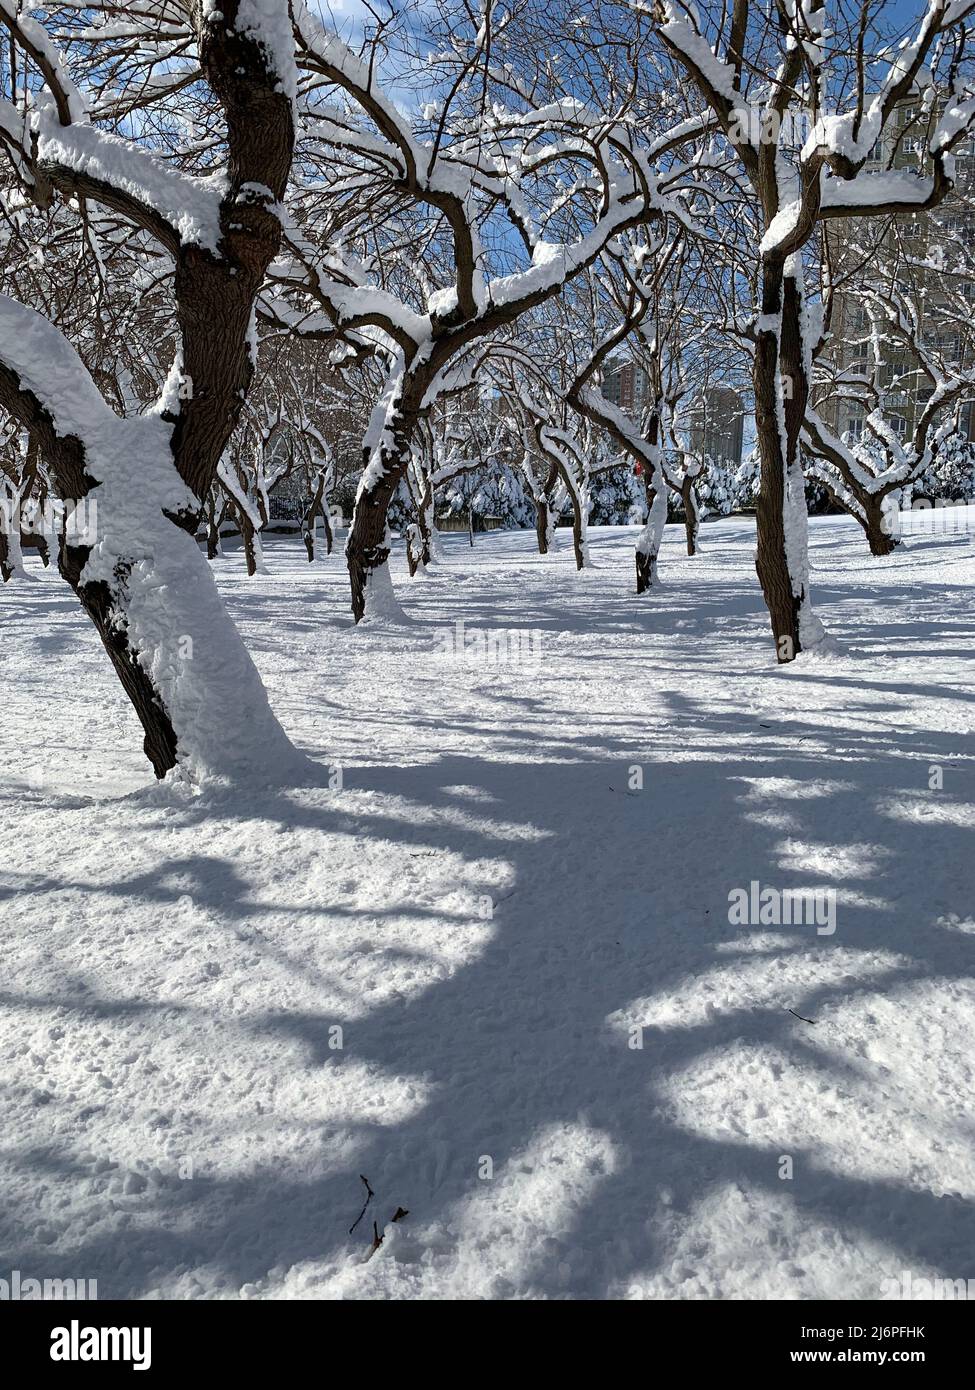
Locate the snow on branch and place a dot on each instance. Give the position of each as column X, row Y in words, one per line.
column 80, row 158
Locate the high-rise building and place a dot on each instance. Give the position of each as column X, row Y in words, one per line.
column 715, row 419
column 625, row 384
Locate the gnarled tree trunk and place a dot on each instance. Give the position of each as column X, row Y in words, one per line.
column 368, row 546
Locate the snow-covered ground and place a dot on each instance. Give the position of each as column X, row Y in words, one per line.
column 493, row 913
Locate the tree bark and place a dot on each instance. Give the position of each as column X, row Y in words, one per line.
column 66, row 459
column 248, row 533
column 579, row 516
column 578, row 529
column 368, row 546
column 160, row 741
column 8, row 567
column 692, row 517
column 543, row 509
column 780, row 371
column 541, row 524
column 312, row 512
column 419, row 547
column 880, row 540
column 648, row 546
column 213, row 539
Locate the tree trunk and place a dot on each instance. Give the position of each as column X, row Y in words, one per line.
column 10, row 560
column 880, row 538
column 692, row 516
column 308, row 520
column 541, row 524
column 150, row 593
column 781, row 393
column 419, row 544
column 248, row 536
column 579, row 520
column 368, row 546
column 648, row 544
column 544, row 519
column 8, row 567
column 38, row 541
column 11, row 537
column 160, row 742
column 213, row 527
column 578, row 532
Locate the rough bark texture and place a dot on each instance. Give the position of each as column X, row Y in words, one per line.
column 160, row 741
column 541, row 524
column 770, row 561
column 312, row 512
column 578, row 521
column 248, row 535
column 543, row 508
column 215, row 295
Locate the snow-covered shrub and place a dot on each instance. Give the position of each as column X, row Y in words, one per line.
column 617, row 496
column 952, row 472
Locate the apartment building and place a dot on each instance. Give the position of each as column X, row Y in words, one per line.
column 715, row 418
column 904, row 389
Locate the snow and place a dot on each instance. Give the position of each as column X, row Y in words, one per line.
column 781, row 227
column 162, row 589
column 876, row 190
column 488, row 909
column 720, row 76
column 268, row 23
column 190, row 205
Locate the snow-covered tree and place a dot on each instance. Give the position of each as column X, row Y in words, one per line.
column 77, row 126
column 917, row 339
column 805, row 100
column 412, row 268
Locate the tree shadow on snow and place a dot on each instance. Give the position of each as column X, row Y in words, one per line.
column 621, row 897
